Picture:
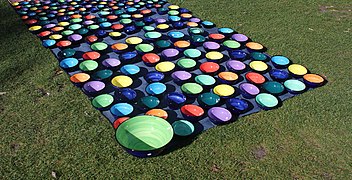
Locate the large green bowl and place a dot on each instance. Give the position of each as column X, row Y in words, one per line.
column 144, row 136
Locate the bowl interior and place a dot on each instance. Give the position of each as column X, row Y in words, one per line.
column 144, row 133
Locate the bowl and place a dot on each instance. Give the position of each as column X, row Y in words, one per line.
column 130, row 70
column 119, row 47
column 208, row 24
column 144, row 48
column 121, row 109
column 148, row 102
column 163, row 44
column 224, row 90
column 93, row 87
column 88, row 65
column 192, row 112
column 208, row 100
column 175, row 100
column 209, row 67
column 111, row 63
column 279, row 75
column 152, row 36
column 197, row 40
column 297, row 70
column 170, row 54
column 191, row 89
column 258, row 56
column 69, row 64
column 175, row 35
column 99, row 47
column 313, row 80
column 211, row 46
column 186, row 64
column 92, row 55
column 79, row 79
column 238, row 55
column 119, row 121
column 156, row 89
column 181, row 77
column 158, row 113
column 241, row 38
column 144, row 136
column 183, row 128
column 249, row 90
column 226, row 31
column 235, row 66
column 126, row 94
column 214, row 56
column 150, row 59
column 259, row 66
column 280, row 61
column 216, row 37
column 254, row 47
column 205, row 80
column 231, row 45
column 294, row 86
column 121, row 81
column 129, row 57
column 192, row 53
column 273, row 87
column 102, row 101
column 237, row 105
column 182, row 45
column 228, row 77
column 165, row 67
column 219, row 115
column 154, row 76
column 266, row 101
column 102, row 75
column 255, row 78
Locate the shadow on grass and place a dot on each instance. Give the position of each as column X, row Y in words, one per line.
column 20, row 58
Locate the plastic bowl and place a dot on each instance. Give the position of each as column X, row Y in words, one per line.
column 280, row 61
column 279, row 75
column 144, row 136
column 294, row 86
column 313, row 80
column 237, row 105
column 266, row 101
column 249, row 90
column 219, row 115
column 183, row 128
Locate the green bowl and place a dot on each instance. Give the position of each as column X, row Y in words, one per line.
column 144, row 136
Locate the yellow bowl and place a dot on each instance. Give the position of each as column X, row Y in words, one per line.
column 259, row 66
column 297, row 69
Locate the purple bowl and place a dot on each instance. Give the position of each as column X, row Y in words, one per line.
column 111, row 63
column 249, row 90
column 93, row 87
column 241, row 38
column 235, row 66
column 210, row 46
column 196, row 20
column 75, row 38
column 49, row 26
column 170, row 54
column 160, row 21
column 87, row 23
column 219, row 115
column 181, row 76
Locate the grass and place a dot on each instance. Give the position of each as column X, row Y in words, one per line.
column 308, row 137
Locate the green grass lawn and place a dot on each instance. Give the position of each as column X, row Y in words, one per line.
column 48, row 126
